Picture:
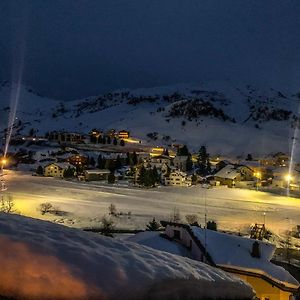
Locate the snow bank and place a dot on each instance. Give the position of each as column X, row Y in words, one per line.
column 42, row 260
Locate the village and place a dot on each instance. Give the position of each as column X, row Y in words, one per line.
column 114, row 156
column 97, row 160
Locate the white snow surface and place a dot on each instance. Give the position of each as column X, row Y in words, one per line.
column 235, row 251
column 154, row 240
column 239, row 101
column 42, row 260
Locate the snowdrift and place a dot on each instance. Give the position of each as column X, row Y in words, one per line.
column 42, row 260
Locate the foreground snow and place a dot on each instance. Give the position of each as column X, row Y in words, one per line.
column 41, row 260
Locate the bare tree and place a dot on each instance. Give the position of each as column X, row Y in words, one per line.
column 7, row 205
column 45, row 208
column 107, row 226
column 192, row 219
column 112, row 209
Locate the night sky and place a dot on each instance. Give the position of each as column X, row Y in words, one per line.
column 75, row 48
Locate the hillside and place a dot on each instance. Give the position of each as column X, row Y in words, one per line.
column 217, row 114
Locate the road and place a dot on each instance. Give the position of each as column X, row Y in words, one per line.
column 86, row 203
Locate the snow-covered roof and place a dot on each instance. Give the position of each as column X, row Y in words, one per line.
column 62, row 165
column 97, row 171
column 153, row 239
column 228, row 172
column 228, row 250
column 250, row 163
column 43, row 260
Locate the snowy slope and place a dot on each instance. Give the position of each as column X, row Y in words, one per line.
column 42, row 260
column 217, row 114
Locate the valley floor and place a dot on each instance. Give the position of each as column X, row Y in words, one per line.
column 86, row 203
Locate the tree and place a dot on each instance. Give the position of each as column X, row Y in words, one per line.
column 127, row 159
column 189, row 163
column 45, row 207
column 107, row 226
column 112, row 209
column 69, row 173
column 212, row 225
column 122, row 143
column 93, row 139
column 115, row 142
column 249, row 157
column 134, row 159
column 141, row 175
column 100, row 140
column 155, row 176
column 153, row 225
column 40, row 170
column 203, row 161
column 118, row 163
column 192, row 219
column 92, row 161
column 194, row 179
column 108, row 140
column 7, row 205
column 111, row 178
column 100, row 162
column 183, row 151
column 110, row 164
column 31, row 132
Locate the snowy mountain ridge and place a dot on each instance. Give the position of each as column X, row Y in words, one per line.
column 216, row 114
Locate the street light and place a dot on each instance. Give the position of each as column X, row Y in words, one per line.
column 288, row 178
column 258, row 176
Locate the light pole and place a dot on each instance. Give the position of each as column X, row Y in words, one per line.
column 2, row 181
column 257, row 176
column 288, row 178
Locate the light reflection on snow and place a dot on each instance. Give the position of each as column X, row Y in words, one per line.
column 31, row 275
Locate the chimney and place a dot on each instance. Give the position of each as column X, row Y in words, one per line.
column 255, row 250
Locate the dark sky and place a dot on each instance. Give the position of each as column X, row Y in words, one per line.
column 75, row 48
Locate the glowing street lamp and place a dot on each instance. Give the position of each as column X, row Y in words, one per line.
column 288, row 178
column 258, row 176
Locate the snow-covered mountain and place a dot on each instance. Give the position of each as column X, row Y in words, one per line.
column 228, row 118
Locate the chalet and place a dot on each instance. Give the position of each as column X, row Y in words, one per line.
column 178, row 178
column 78, row 160
column 283, row 178
column 243, row 257
column 123, row 134
column 157, row 161
column 95, row 134
column 230, row 175
column 111, row 133
column 277, row 160
column 56, row 169
column 180, row 162
column 65, row 137
column 96, row 174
